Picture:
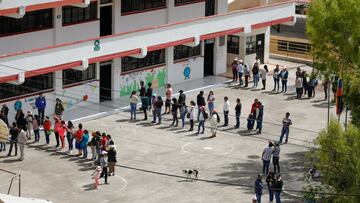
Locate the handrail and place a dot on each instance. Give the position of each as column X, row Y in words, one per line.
column 12, row 179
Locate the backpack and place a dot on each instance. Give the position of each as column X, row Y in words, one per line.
column 206, row 115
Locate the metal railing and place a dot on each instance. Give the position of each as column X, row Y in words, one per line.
column 15, row 175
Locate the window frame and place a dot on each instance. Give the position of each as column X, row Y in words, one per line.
column 86, row 75
column 183, row 52
column 186, row 2
column 141, row 6
column 74, row 15
column 233, row 47
column 152, row 59
column 25, row 89
column 251, row 47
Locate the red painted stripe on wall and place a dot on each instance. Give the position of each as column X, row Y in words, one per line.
column 274, row 22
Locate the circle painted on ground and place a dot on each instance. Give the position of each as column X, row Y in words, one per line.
column 207, row 148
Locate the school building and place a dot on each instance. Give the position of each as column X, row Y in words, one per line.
column 88, row 51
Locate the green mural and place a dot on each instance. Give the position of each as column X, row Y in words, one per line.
column 131, row 82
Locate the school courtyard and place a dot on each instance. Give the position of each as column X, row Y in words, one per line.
column 151, row 157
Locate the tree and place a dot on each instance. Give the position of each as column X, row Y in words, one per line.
column 337, row 156
column 333, row 27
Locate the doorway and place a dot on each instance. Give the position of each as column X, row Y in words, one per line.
column 105, row 20
column 260, row 47
column 105, row 82
column 209, row 57
column 209, row 7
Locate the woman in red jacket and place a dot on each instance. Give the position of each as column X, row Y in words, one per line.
column 47, row 129
column 78, row 137
column 56, row 130
column 61, row 132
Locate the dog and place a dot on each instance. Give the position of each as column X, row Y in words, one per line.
column 190, row 173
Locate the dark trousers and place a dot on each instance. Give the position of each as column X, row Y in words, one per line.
column 226, row 118
column 145, row 113
column 41, row 113
column 246, row 80
column 237, row 120
column 104, row 173
column 264, row 83
column 283, row 85
column 240, row 78
column 191, row 124
column 12, row 143
column 57, row 139
column 70, row 141
column 235, row 75
column 175, row 119
column 37, row 135
column 271, row 195
column 266, row 164
column 298, row 93
column 47, row 137
column 326, row 92
column 259, row 125
column 276, row 84
column 276, row 164
column 201, row 124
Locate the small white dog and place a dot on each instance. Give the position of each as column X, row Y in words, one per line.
column 190, row 173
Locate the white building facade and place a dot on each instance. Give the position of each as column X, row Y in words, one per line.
column 86, row 51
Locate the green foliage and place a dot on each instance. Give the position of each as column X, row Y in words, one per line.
column 337, row 156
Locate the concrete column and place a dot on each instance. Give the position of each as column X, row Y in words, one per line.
column 264, row 2
column 267, row 45
column 221, row 6
column 116, row 15
column 170, row 10
column 57, row 25
column 220, row 56
column 115, row 80
column 58, row 83
column 169, row 61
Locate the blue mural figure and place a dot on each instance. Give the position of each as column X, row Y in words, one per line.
column 17, row 105
column 187, row 72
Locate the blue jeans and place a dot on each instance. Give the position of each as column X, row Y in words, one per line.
column 266, row 164
column 271, row 195
column 47, row 137
column 256, row 79
column 277, row 196
column 240, row 78
column 158, row 113
column 259, row 125
column 201, row 124
column 85, row 152
column 183, row 116
column 133, row 110
column 211, row 107
column 154, row 115
column 284, row 131
column 258, row 197
column 283, row 85
column 37, row 135
column 237, row 120
column 70, row 141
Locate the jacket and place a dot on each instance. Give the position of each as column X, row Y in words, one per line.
column 112, row 155
column 84, row 141
column 258, row 186
column 22, row 139
column 284, row 74
column 47, row 125
column 200, row 100
column 59, row 108
column 13, row 134
column 40, row 103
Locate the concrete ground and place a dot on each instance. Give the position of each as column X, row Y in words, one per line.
column 151, row 157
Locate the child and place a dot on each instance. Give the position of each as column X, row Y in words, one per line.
column 183, row 111
column 61, row 132
column 47, row 129
column 96, row 176
column 36, row 124
column 57, row 127
column 250, row 122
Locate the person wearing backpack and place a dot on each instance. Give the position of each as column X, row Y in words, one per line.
column 255, row 72
column 214, row 120
column 202, row 117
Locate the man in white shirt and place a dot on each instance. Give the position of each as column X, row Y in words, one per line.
column 263, row 73
column 226, row 109
column 240, row 68
column 21, row 142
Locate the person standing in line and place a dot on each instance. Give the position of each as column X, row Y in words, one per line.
column 234, row 69
column 145, row 103
column 149, row 94
column 5, row 112
column 57, row 129
column 59, row 108
column 62, row 131
column 183, row 111
column 258, row 188
column 29, row 124
column 96, row 176
column 237, row 113
column 200, row 101
column 240, row 69
column 259, row 117
column 299, row 87
column 210, row 101
column 191, row 114
column 84, row 143
column 22, row 139
column 266, row 157
column 168, row 95
column 104, row 165
column 142, row 90
column 14, row 132
column 305, row 86
column 112, row 160
column 226, row 109
column 174, row 110
column 276, row 157
column 182, row 97
column 263, row 72
column 47, row 129
column 255, row 72
column 270, row 180
column 247, row 75
column 284, row 74
column 92, row 144
column 214, row 120
column 36, row 128
column 325, row 84
column 40, row 104
column 78, row 137
column 20, row 120
column 159, row 104
column 133, row 104
column 286, row 128
column 276, row 78
column 250, row 122
column 278, row 188
column 70, row 134
column 202, row 118
column 153, row 104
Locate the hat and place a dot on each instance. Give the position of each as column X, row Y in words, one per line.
column 98, row 168
column 240, row 61
column 236, row 59
column 104, row 153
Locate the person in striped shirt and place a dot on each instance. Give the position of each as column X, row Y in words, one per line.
column 285, row 129
column 266, row 157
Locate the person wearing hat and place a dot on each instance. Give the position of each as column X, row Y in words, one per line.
column 240, row 69
column 258, row 188
column 182, row 97
column 234, row 69
column 214, row 120
column 111, row 159
column 202, row 118
column 29, row 121
column 96, row 176
column 104, row 164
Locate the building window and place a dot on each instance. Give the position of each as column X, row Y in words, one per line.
column 152, row 58
column 129, row 6
column 71, row 76
column 35, row 20
column 233, row 44
column 295, row 47
column 105, row 1
column 73, row 15
column 182, row 52
column 33, row 84
column 251, row 45
column 180, row 2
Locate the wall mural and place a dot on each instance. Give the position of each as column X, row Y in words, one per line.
column 131, row 82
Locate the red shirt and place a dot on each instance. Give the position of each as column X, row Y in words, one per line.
column 47, row 125
column 104, row 142
column 79, row 134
